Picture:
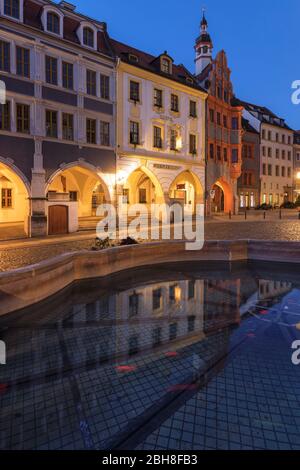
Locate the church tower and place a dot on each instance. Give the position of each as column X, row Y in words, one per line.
column 203, row 47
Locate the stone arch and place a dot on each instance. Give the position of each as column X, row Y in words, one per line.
column 14, row 194
column 223, row 201
column 84, row 183
column 142, row 186
column 187, row 189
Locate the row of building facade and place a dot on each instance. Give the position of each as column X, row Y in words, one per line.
column 88, row 119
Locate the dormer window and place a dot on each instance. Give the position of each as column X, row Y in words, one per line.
column 53, row 23
column 52, row 20
column 88, row 37
column 133, row 58
column 12, row 8
column 166, row 65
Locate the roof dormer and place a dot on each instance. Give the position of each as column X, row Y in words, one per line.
column 12, row 9
column 166, row 63
column 87, row 35
column 53, row 20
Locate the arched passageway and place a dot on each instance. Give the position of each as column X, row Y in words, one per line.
column 186, row 190
column 14, row 201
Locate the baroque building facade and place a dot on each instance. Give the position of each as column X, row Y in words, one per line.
column 224, row 126
column 160, row 130
column 57, row 128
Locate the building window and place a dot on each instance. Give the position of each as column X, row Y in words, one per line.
column 68, row 126
column 277, row 153
column 225, row 155
column 174, row 103
column 283, row 155
column 51, row 123
column 5, row 116
column 134, row 133
column 277, row 171
column 133, row 305
column 235, row 123
column 157, row 299
column 225, row 121
column 269, row 152
column 264, row 134
column 193, row 109
column 219, row 153
column 289, row 172
column 277, row 137
column 249, row 152
column 211, row 151
column 264, row 151
column 283, row 171
column 4, row 56
column 88, row 37
column 219, row 119
column 104, row 133
column 158, row 98
column 192, row 144
column 23, row 118
column 283, row 138
column 166, row 66
column 173, row 331
column 269, row 170
column 91, row 82
column 157, row 140
column 51, row 70
column 67, row 75
column 191, row 323
column 142, row 196
column 289, row 155
column 156, row 337
column 211, row 115
column 91, row 131
column 191, row 290
column 6, row 198
column 133, row 345
column 173, row 140
column 53, row 23
column 269, row 135
column 12, row 8
column 104, row 87
column 134, row 91
column 23, row 61
column 289, row 140
column 234, row 156
column 264, row 170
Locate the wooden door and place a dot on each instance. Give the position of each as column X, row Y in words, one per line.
column 58, row 220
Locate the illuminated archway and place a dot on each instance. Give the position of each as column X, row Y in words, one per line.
column 14, row 194
column 81, row 183
column 222, row 201
column 143, row 187
column 187, row 190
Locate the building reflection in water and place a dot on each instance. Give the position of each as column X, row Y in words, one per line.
column 81, row 375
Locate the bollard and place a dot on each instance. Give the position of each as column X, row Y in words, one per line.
column 245, row 214
column 264, row 215
column 280, row 215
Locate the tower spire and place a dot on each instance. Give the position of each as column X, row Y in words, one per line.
column 204, row 46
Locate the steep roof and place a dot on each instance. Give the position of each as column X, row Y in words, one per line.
column 149, row 62
column 247, row 126
column 264, row 114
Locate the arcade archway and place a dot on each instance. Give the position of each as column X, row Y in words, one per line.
column 142, row 187
column 14, row 202
column 222, row 197
column 186, row 190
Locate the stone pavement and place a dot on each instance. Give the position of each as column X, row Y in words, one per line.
column 19, row 253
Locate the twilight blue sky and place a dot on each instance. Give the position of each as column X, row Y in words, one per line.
column 261, row 38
